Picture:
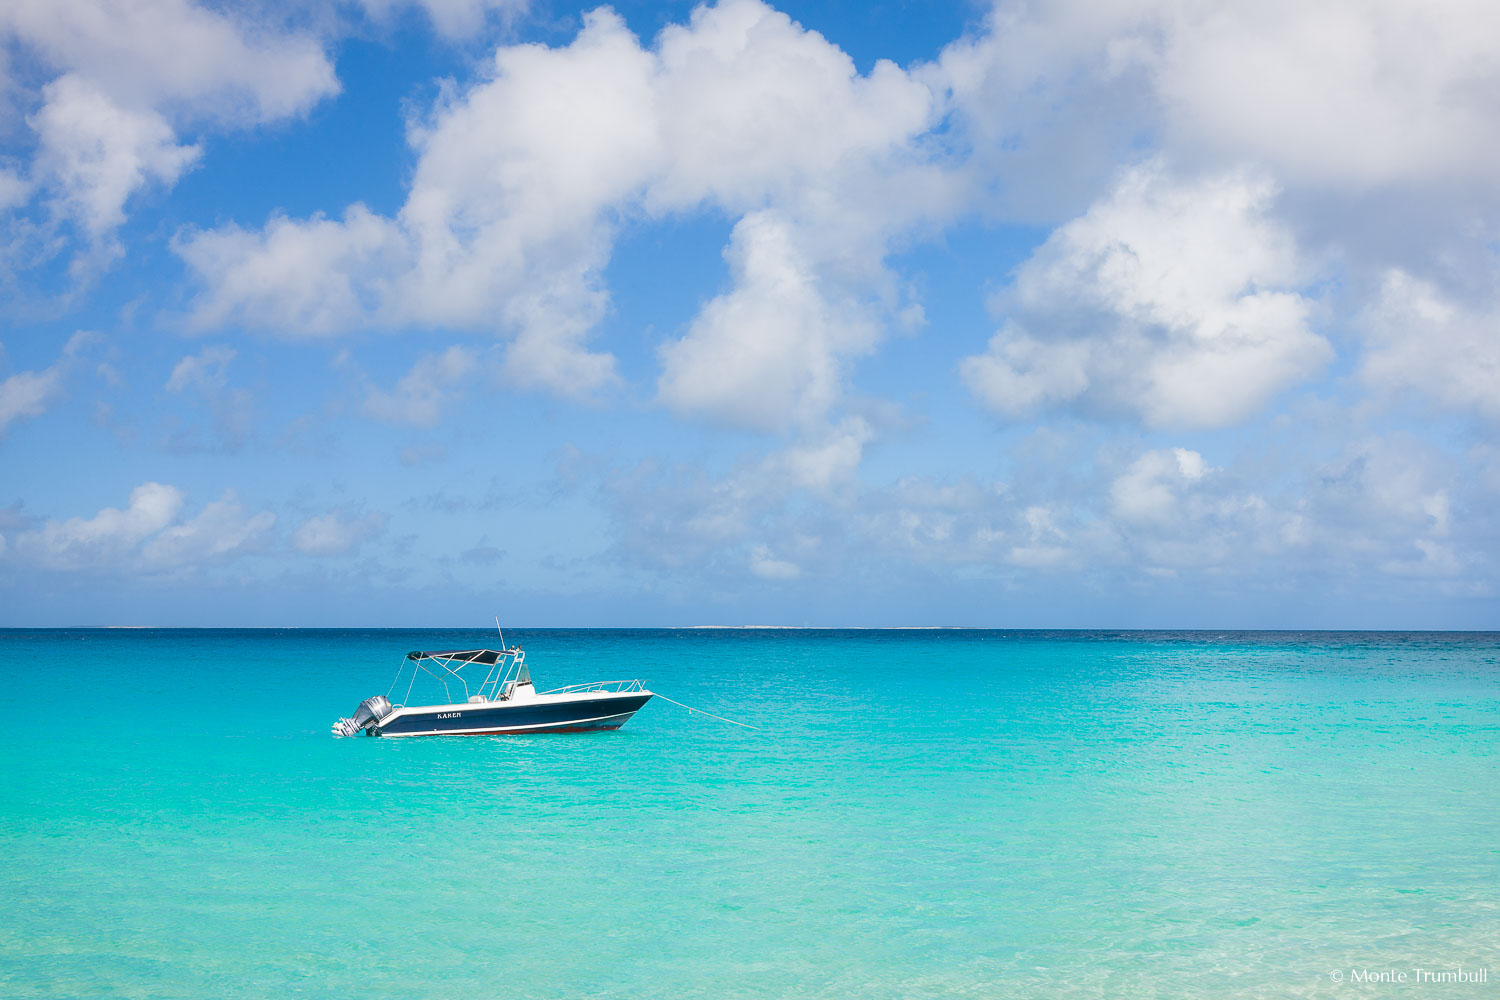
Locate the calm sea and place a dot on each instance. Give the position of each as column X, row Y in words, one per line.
column 924, row 814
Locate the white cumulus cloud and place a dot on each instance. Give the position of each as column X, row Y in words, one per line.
column 1338, row 94
column 769, row 353
column 1342, row 91
column 97, row 154
column 1420, row 338
column 147, row 536
column 1177, row 302
column 522, row 179
column 1149, row 490
column 220, row 529
column 123, row 79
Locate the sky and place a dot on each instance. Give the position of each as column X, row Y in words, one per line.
column 1086, row 313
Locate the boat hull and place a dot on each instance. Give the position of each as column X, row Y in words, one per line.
column 499, row 719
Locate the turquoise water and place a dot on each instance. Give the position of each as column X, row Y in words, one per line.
column 926, row 814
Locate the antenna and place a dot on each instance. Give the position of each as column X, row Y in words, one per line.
column 501, row 631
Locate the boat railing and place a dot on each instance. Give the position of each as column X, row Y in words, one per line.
column 606, row 687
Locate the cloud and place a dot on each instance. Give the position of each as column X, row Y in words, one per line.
column 97, row 154
column 1313, row 507
column 679, row 520
column 502, row 228
column 1345, row 92
column 452, row 19
column 221, row 68
column 207, row 370
column 1148, row 490
column 221, row 529
column 335, row 534
column 763, row 565
column 298, row 276
column 1341, row 95
column 825, row 461
column 206, row 374
column 1420, row 338
column 766, row 355
column 753, row 107
column 419, row 395
column 28, row 394
column 1376, row 511
column 146, row 536
column 1176, row 302
column 107, row 536
column 108, row 121
column 1386, row 504
column 14, row 518
column 14, row 189
column 523, row 179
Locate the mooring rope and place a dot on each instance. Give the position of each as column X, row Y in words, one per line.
column 700, row 711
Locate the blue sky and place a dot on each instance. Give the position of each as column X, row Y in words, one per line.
column 1080, row 314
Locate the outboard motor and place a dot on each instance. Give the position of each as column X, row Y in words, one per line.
column 370, row 712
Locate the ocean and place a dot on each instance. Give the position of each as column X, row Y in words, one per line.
column 923, row 813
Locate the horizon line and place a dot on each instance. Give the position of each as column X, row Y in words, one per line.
column 751, row 628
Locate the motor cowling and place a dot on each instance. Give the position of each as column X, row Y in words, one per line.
column 370, row 712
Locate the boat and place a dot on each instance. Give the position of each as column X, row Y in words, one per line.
column 504, row 702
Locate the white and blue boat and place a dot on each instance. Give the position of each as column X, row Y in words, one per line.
column 505, row 702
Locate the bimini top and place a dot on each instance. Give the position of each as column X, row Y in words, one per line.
column 504, row 667
column 487, row 657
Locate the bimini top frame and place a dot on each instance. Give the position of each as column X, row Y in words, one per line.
column 507, row 668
